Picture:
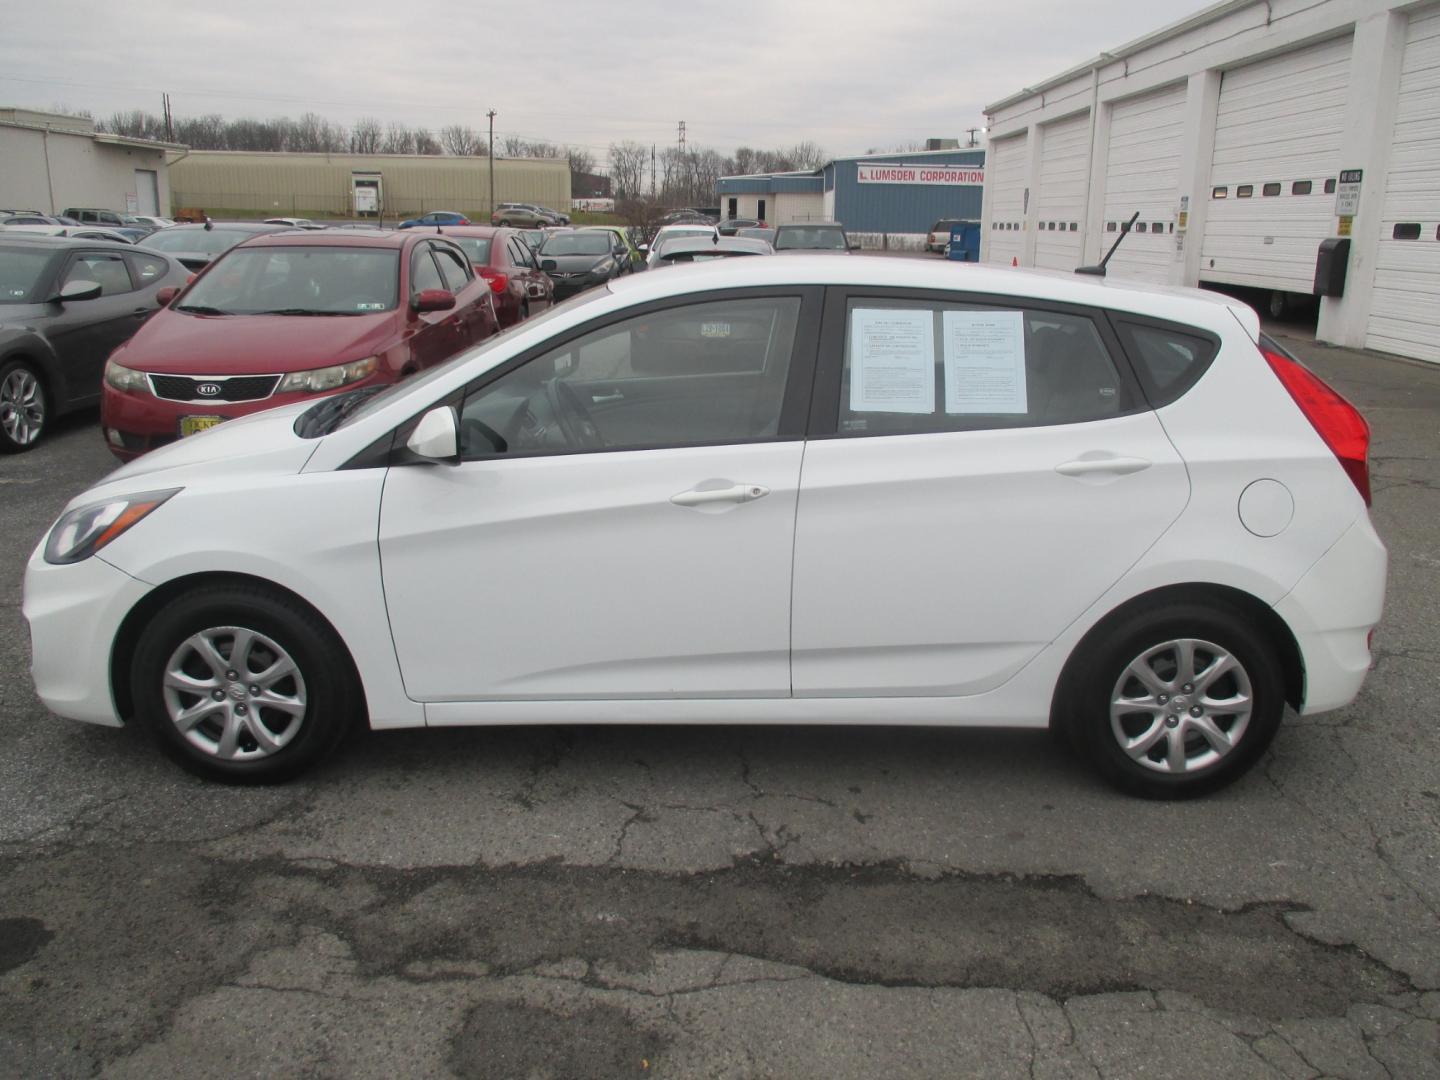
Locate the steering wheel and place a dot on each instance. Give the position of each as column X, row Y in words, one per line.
column 575, row 421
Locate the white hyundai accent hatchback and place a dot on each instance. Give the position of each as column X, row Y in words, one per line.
column 800, row 490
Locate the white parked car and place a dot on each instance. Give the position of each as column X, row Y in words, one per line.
column 863, row 491
column 666, row 233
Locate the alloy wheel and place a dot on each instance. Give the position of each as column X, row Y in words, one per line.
column 22, row 407
column 234, row 693
column 1181, row 706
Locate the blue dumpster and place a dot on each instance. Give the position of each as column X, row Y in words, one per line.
column 964, row 243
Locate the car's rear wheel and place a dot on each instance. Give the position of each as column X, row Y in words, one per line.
column 243, row 685
column 24, row 409
column 1177, row 701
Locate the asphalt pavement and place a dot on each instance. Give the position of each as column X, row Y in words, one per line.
column 735, row 902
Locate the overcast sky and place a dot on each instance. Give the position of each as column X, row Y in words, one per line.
column 846, row 74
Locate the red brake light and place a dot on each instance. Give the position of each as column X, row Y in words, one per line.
column 1338, row 422
column 497, row 280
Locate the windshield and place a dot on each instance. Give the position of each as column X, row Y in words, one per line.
column 201, row 241
column 576, row 243
column 809, row 240
column 478, row 248
column 299, row 281
column 20, row 274
column 671, row 234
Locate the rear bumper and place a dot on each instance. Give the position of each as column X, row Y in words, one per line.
column 1332, row 611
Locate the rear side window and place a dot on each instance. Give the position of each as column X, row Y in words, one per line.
column 921, row 366
column 146, row 268
column 1168, row 360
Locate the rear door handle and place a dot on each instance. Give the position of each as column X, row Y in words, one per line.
column 1116, row 466
column 601, row 399
column 738, row 493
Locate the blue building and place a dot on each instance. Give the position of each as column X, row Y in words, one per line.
column 898, row 195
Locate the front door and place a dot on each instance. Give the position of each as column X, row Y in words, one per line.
column 991, row 473
column 610, row 532
column 87, row 331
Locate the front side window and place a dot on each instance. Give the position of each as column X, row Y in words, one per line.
column 921, row 366
column 424, row 274
column 299, row 281
column 453, row 268
column 108, row 270
column 696, row 375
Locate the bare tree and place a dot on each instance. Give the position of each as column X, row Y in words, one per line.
column 514, row 146
column 365, row 136
column 462, row 141
column 582, row 162
column 399, row 139
column 628, row 161
column 426, row 143
column 806, row 155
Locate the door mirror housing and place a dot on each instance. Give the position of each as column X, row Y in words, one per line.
column 164, row 296
column 432, row 300
column 437, row 436
column 79, row 290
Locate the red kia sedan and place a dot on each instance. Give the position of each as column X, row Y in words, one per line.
column 289, row 316
column 510, row 265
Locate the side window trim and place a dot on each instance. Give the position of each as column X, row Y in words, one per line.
column 830, row 363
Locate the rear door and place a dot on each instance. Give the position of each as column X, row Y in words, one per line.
column 980, row 471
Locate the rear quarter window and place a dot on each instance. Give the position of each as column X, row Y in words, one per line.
column 1168, row 360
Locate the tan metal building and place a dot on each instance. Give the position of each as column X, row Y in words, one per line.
column 50, row 162
column 360, row 185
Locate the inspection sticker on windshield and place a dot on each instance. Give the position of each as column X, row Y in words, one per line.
column 370, row 307
column 714, row 329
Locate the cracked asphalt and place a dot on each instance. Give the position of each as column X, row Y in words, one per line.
column 735, row 902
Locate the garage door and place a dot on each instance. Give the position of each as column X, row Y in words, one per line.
column 1277, row 143
column 1060, row 195
column 1405, row 307
column 1142, row 173
column 1005, row 200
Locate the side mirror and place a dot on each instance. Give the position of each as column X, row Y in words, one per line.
column 79, row 290
column 164, row 296
column 437, row 436
column 547, row 264
column 432, row 300
column 644, row 249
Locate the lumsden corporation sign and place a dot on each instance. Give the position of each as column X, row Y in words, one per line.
column 921, row 174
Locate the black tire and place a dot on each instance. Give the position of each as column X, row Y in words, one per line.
column 1278, row 304
column 326, row 682
column 1094, row 680
column 24, row 407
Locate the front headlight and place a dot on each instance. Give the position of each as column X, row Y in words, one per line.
column 604, row 267
column 327, row 378
column 126, row 379
column 84, row 531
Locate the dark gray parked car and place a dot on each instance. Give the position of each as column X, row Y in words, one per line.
column 196, row 246
column 65, row 305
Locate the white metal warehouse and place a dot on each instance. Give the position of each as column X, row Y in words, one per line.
column 1229, row 133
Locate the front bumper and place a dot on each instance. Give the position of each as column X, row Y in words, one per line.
column 1332, row 611
column 74, row 613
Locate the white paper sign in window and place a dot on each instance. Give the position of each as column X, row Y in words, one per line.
column 984, row 362
column 892, row 361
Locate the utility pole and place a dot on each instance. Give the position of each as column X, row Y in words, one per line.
column 972, row 132
column 169, row 122
column 682, row 136
column 491, row 115
column 652, row 170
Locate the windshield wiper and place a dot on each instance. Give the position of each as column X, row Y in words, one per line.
column 201, row 309
column 324, row 416
column 303, row 311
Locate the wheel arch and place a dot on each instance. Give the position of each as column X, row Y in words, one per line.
column 127, row 637
column 1222, row 597
column 51, row 380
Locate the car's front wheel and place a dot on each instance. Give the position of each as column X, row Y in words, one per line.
column 242, row 684
column 1177, row 701
column 24, row 409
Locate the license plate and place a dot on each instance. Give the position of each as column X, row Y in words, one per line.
column 191, row 425
column 715, row 329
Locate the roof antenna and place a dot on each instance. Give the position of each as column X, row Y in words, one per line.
column 1099, row 269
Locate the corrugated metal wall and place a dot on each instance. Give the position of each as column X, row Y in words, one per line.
column 320, row 183
column 903, row 208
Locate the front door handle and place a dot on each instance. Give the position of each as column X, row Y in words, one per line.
column 737, row 493
column 1116, row 466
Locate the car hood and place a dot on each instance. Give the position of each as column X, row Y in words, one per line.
column 571, row 264
column 263, row 442
column 174, row 343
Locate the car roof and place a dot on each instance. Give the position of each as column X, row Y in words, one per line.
column 1198, row 307
column 371, row 238
column 229, row 226
column 60, row 243
column 809, row 225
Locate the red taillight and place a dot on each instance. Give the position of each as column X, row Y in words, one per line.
column 1338, row 422
column 497, row 280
